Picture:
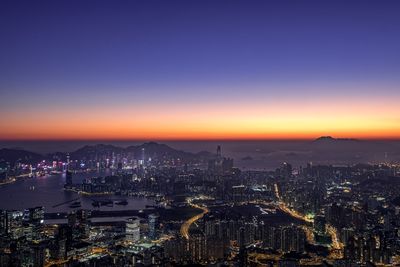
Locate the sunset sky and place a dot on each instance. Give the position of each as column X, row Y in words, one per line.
column 199, row 69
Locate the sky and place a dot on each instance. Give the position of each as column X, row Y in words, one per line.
column 199, row 69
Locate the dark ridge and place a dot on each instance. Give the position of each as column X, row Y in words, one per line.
column 332, row 139
column 150, row 149
column 19, row 155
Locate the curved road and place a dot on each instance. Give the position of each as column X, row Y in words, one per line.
column 337, row 246
column 186, row 225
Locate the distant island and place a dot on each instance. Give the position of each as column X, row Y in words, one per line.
column 332, row 139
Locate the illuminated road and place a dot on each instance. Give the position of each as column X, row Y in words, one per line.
column 63, row 262
column 24, row 175
column 297, row 215
column 55, row 263
column 337, row 246
column 10, row 181
column 292, row 212
column 163, row 239
column 186, row 225
column 309, row 234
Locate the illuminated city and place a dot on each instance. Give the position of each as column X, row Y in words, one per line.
column 199, row 133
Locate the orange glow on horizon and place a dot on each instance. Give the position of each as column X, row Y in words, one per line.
column 208, row 121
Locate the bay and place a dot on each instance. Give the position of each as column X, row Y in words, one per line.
column 48, row 191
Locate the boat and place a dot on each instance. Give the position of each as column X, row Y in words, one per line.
column 76, row 204
column 107, row 203
column 122, row 202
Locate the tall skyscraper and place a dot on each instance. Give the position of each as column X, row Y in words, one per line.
column 68, row 173
column 153, row 226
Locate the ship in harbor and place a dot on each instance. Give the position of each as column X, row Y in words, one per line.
column 121, row 202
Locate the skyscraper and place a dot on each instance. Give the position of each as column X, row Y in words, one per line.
column 68, row 174
column 153, row 226
column 132, row 229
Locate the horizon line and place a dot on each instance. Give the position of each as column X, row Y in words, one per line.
column 192, row 139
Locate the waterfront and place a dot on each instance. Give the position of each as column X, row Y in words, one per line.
column 48, row 191
column 250, row 155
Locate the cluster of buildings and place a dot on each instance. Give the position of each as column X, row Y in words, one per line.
column 218, row 215
column 26, row 240
column 226, row 241
column 356, row 206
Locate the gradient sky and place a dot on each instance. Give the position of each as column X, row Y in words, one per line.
column 199, row 69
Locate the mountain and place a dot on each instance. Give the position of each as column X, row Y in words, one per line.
column 330, row 139
column 13, row 155
column 330, row 150
column 331, row 144
column 89, row 152
column 157, row 151
column 152, row 150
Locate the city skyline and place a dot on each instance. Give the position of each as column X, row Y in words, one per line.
column 200, row 133
column 209, row 70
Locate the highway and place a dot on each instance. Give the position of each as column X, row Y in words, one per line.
column 337, row 246
column 282, row 205
column 186, row 225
